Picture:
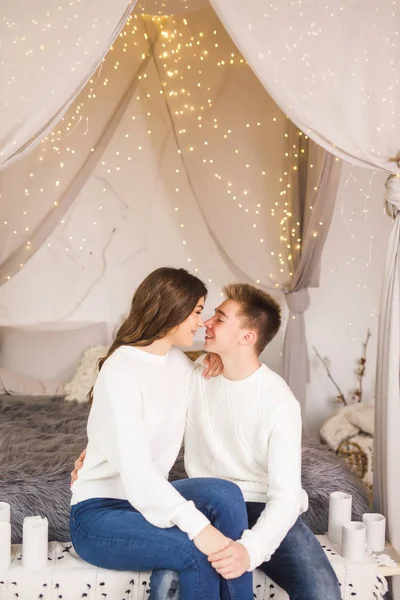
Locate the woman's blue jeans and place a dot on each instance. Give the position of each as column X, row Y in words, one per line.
column 111, row 534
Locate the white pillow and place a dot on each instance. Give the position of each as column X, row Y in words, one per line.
column 48, row 354
column 337, row 428
column 85, row 376
column 362, row 416
column 17, row 384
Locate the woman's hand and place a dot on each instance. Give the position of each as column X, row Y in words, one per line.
column 78, row 465
column 211, row 541
column 212, row 365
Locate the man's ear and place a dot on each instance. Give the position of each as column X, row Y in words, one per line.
column 249, row 338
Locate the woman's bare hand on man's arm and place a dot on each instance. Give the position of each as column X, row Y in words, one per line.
column 78, row 465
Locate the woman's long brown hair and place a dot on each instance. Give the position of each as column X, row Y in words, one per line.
column 161, row 302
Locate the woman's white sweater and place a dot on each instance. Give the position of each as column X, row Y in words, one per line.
column 135, row 430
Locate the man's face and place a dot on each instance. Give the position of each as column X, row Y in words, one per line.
column 223, row 330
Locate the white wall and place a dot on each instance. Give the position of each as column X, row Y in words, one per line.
column 108, row 242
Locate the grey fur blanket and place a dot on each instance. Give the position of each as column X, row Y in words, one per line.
column 41, row 438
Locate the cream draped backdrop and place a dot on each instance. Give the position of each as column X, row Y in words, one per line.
column 334, row 68
column 48, row 52
column 262, row 189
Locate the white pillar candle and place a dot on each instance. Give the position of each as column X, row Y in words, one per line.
column 34, row 543
column 4, row 512
column 353, row 541
column 339, row 513
column 5, row 546
column 376, row 529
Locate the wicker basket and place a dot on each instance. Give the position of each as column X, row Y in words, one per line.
column 356, row 461
column 354, row 458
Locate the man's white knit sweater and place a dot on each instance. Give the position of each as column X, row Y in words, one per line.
column 135, row 431
column 249, row 432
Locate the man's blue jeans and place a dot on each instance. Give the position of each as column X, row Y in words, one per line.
column 112, row 534
column 299, row 566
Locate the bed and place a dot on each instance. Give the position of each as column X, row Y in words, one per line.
column 40, row 437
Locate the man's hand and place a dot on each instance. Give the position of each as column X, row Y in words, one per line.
column 210, row 540
column 78, row 465
column 212, row 365
column 231, row 562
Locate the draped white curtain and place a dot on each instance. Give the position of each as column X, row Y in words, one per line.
column 264, row 190
column 49, row 50
column 387, row 414
column 305, row 257
column 334, row 68
column 38, row 189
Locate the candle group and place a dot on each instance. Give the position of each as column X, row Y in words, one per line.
column 352, row 538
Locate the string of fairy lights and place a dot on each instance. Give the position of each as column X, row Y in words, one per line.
column 181, row 49
column 172, row 48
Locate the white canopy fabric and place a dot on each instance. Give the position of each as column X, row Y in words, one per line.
column 333, row 67
column 49, row 51
column 273, row 185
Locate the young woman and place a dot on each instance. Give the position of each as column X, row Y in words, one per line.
column 125, row 515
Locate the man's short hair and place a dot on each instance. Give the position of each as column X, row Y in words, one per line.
column 259, row 311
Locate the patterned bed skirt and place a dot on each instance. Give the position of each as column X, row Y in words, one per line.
column 67, row 577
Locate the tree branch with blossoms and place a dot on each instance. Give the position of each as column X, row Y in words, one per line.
column 360, row 372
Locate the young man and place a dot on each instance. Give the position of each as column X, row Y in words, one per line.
column 245, row 426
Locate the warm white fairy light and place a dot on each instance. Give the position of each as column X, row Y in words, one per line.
column 176, row 45
column 53, row 142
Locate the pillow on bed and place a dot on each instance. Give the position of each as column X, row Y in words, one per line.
column 16, row 384
column 48, row 354
column 85, row 376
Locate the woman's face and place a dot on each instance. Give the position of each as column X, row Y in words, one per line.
column 184, row 334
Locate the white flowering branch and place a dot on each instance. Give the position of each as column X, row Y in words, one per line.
column 360, row 372
column 325, row 362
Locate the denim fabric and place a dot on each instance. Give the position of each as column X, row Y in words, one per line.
column 111, row 534
column 299, row 566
